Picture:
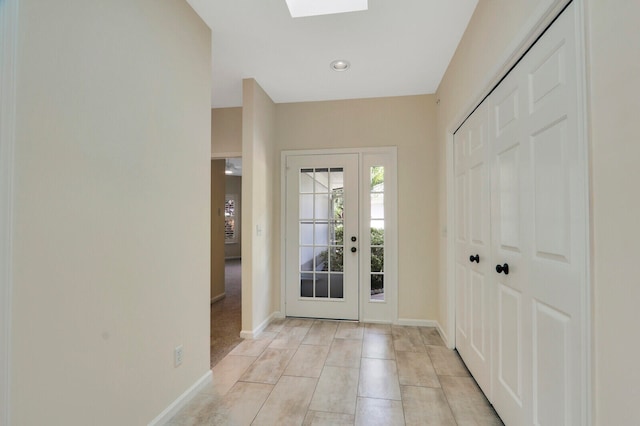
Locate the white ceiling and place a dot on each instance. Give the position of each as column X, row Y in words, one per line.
column 396, row 48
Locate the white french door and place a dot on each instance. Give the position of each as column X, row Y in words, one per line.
column 340, row 228
column 322, row 269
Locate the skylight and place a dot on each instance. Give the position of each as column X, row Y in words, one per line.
column 301, row 8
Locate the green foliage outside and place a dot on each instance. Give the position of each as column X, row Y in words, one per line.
column 377, row 260
column 377, row 176
column 377, row 237
column 377, row 257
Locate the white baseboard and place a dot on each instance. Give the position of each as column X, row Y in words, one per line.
column 417, row 322
column 253, row 334
column 373, row 321
column 182, row 400
column 218, row 297
column 443, row 335
column 426, row 323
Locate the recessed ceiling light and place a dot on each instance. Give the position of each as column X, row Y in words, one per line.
column 300, row 8
column 340, row 65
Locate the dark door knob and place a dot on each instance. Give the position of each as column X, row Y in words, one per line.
column 475, row 258
column 354, row 239
column 353, row 249
column 503, row 268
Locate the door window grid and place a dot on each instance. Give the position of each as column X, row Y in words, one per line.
column 321, row 221
column 230, row 229
column 376, row 217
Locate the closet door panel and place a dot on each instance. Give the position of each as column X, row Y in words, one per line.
column 479, row 319
column 478, row 196
column 462, row 309
column 538, row 168
column 558, row 239
column 509, row 224
column 461, row 210
column 473, row 248
column 462, row 242
column 509, row 343
column 551, row 193
column 547, row 74
column 507, row 197
column 551, row 368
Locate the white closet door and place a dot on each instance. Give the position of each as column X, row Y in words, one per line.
column 539, row 231
column 472, row 236
column 510, row 217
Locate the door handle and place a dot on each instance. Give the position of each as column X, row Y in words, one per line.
column 354, row 239
column 353, row 249
column 475, row 258
column 503, row 268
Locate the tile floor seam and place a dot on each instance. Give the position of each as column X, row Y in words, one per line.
column 449, row 362
column 255, row 416
column 449, row 404
column 312, row 395
column 314, row 388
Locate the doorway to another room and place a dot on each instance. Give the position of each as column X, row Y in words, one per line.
column 226, row 263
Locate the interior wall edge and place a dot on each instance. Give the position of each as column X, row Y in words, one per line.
column 8, row 63
column 531, row 30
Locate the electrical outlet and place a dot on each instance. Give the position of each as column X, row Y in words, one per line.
column 178, row 353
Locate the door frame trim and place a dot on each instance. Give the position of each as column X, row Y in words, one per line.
column 8, row 88
column 534, row 27
column 390, row 150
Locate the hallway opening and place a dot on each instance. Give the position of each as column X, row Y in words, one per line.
column 226, row 313
column 226, row 269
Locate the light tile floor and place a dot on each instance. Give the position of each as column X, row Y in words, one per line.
column 313, row 372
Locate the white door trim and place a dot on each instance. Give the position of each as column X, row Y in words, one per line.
column 223, row 155
column 8, row 64
column 543, row 16
column 392, row 151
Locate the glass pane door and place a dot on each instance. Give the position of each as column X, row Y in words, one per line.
column 322, row 226
column 321, row 220
column 377, row 232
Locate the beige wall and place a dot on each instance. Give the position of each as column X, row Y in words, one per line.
column 490, row 33
column 111, row 219
column 226, row 131
column 233, row 185
column 259, row 171
column 615, row 108
column 218, row 190
column 408, row 123
column 614, row 78
column 226, row 139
